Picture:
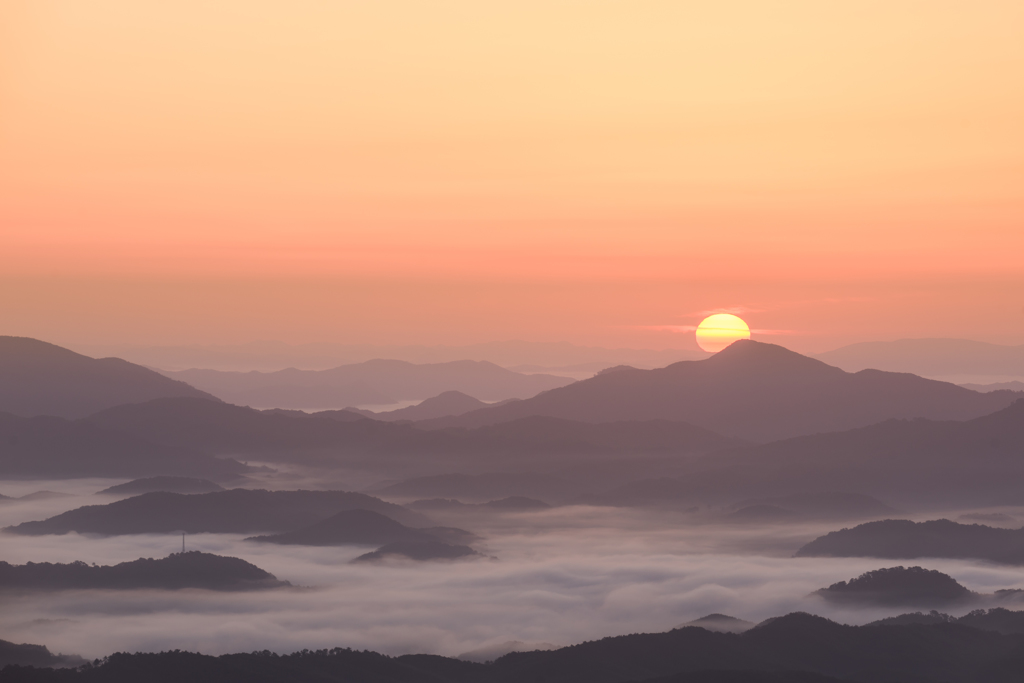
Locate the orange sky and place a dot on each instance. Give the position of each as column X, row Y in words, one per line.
column 463, row 171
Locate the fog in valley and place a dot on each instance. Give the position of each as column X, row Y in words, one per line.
column 559, row 576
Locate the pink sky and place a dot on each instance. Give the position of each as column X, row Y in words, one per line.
column 455, row 172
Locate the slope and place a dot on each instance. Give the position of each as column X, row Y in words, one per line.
column 750, row 390
column 37, row 378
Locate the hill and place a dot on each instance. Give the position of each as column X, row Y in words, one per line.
column 447, row 403
column 750, row 390
column 371, row 382
column 179, row 570
column 796, row 648
column 721, row 623
column 420, row 551
column 903, row 539
column 57, row 448
column 13, row 654
column 222, row 512
column 358, row 527
column 898, row 586
column 975, row 461
column 930, row 357
column 169, row 484
column 37, row 378
column 228, row 430
column 996, row 619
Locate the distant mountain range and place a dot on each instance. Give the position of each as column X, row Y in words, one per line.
column 904, row 539
column 370, row 382
column 37, row 378
column 269, row 356
column 445, row 404
column 223, row 512
column 168, row 484
column 419, row 550
column 750, row 390
column 973, row 462
column 180, row 570
column 795, row 648
column 899, row 586
column 57, row 448
column 245, row 433
column 930, row 357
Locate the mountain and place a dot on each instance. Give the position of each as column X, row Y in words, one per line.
column 796, row 648
column 169, row 484
column 996, row 386
column 271, row 356
column 358, row 527
column 898, row 586
column 481, row 487
column 223, row 429
column 903, row 539
column 996, row 619
column 15, row 655
column 975, row 461
column 721, row 623
column 37, row 378
column 57, row 448
column 224, row 512
column 371, row 382
column 930, row 357
column 419, row 551
column 226, row 429
column 510, row 504
column 750, row 390
column 445, row 404
column 178, row 570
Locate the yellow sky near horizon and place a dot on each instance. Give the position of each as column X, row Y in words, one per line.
column 459, row 171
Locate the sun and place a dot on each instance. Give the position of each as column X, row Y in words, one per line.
column 717, row 331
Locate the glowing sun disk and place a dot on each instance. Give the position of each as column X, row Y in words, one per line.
column 717, row 331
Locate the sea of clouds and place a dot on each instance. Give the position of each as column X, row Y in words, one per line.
column 560, row 576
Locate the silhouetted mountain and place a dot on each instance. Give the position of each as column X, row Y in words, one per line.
column 272, row 356
column 192, row 569
column 480, row 486
column 419, row 550
column 359, row 527
column 444, row 404
column 37, row 378
column 974, row 461
column 997, row 619
column 222, row 512
column 510, row 504
column 489, row 653
column 12, row 654
column 796, row 648
column 989, row 518
column 750, row 390
column 56, row 448
column 995, row 386
column 903, row 539
column 222, row 428
column 225, row 429
column 721, row 623
column 370, row 382
column 168, row 484
column 898, row 586
column 650, row 436
column 930, row 357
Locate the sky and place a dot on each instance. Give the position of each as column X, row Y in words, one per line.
column 602, row 172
